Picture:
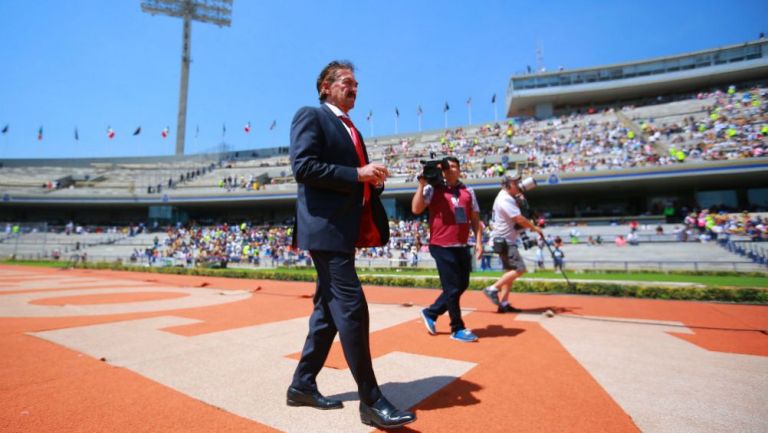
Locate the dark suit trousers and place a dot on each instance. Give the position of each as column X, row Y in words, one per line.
column 340, row 306
column 453, row 266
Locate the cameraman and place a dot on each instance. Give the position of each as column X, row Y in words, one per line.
column 510, row 220
column 453, row 209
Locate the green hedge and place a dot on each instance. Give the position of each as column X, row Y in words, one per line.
column 267, row 274
column 690, row 293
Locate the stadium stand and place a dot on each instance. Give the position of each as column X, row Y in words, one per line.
column 656, row 247
column 640, row 82
column 662, row 158
column 721, row 125
column 38, row 243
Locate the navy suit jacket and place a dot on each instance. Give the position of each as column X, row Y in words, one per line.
column 329, row 201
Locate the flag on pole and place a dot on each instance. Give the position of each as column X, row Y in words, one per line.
column 164, row 132
column 272, row 126
column 469, row 110
column 40, row 133
column 247, row 127
column 493, row 99
column 370, row 115
column 77, row 136
column 397, row 112
column 446, row 107
column 5, row 129
column 223, row 129
column 137, row 131
column 419, row 112
column 110, row 132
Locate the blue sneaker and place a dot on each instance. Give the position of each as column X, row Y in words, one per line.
column 429, row 323
column 464, row 335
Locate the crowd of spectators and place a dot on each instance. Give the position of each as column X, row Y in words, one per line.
column 231, row 183
column 51, row 185
column 407, row 240
column 565, row 144
column 707, row 225
column 270, row 245
column 733, row 124
column 224, row 243
column 735, row 127
column 180, row 176
column 221, row 244
column 252, row 181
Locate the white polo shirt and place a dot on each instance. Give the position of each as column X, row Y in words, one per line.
column 505, row 209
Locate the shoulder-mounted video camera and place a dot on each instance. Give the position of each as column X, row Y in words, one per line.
column 525, row 208
column 526, row 212
column 432, row 172
column 527, row 184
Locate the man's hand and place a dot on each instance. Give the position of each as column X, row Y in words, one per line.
column 479, row 251
column 372, row 173
column 417, row 202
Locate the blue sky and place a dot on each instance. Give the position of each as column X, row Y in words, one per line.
column 91, row 64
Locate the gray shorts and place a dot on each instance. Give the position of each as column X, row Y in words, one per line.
column 512, row 260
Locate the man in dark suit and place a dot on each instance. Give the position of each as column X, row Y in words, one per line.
column 338, row 209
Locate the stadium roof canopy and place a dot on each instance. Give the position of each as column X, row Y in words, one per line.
column 549, row 93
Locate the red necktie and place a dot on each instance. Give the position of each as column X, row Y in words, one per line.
column 360, row 154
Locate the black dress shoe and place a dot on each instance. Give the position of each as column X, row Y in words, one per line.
column 297, row 397
column 508, row 309
column 383, row 414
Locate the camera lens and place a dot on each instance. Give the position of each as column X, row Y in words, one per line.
column 527, row 184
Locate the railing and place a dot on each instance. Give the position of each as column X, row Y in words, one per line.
column 609, row 238
column 625, row 265
column 43, row 245
column 668, row 265
column 46, row 245
column 752, row 250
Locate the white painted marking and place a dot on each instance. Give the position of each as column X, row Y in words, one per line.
column 66, row 283
column 19, row 304
column 245, row 371
column 663, row 382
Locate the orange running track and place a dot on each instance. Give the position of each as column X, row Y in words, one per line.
column 105, row 351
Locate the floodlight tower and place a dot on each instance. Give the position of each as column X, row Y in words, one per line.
column 217, row 12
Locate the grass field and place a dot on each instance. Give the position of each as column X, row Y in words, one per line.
column 719, row 279
column 747, row 288
column 729, row 280
column 40, row 263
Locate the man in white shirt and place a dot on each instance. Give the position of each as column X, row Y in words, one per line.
column 507, row 224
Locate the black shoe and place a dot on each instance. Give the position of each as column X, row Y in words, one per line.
column 508, row 309
column 297, row 397
column 383, row 414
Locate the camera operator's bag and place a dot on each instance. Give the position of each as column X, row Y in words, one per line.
column 500, row 245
